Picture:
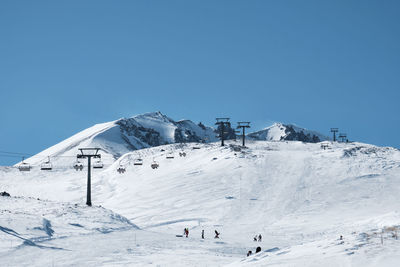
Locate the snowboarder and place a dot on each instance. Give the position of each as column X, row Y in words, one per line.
column 216, row 234
column 259, row 238
column 341, row 237
column 258, row 249
column 202, row 234
column 249, row 253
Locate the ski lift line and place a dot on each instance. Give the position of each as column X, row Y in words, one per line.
column 10, row 156
column 16, row 153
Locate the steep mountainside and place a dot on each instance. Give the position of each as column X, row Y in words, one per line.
column 128, row 134
column 287, row 132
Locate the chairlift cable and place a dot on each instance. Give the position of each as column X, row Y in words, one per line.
column 16, row 153
column 10, row 156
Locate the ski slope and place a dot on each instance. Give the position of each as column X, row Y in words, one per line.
column 300, row 197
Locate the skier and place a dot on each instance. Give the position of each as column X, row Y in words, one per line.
column 202, row 234
column 186, row 232
column 259, row 238
column 258, row 249
column 249, row 253
column 255, row 238
column 216, row 234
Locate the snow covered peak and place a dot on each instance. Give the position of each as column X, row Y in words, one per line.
column 279, row 132
column 155, row 116
column 127, row 134
column 152, row 129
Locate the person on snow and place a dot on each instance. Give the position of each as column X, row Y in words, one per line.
column 249, row 253
column 258, row 249
column 216, row 234
column 255, row 238
column 202, row 234
column 259, row 238
column 186, row 232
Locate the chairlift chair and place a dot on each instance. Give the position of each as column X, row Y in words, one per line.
column 46, row 166
column 324, row 145
column 182, row 154
column 154, row 165
column 78, row 166
column 24, row 167
column 98, row 164
column 138, row 162
column 121, row 169
column 170, row 155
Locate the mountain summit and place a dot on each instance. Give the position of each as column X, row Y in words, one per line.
column 287, row 132
column 127, row 134
column 154, row 129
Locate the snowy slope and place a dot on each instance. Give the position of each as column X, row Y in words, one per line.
column 48, row 233
column 283, row 132
column 300, row 197
column 118, row 137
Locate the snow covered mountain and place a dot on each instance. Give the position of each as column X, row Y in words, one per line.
column 118, row 137
column 152, row 129
column 287, row 132
column 335, row 205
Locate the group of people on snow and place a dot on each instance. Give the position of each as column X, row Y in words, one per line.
column 249, row 253
column 257, row 238
column 186, row 233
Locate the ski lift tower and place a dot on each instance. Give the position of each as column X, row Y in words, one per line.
column 89, row 153
column 334, row 131
column 222, row 123
column 243, row 125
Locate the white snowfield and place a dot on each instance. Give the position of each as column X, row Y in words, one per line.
column 299, row 197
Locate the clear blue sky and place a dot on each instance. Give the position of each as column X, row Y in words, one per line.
column 66, row 65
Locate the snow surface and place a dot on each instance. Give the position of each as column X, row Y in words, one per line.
column 277, row 132
column 300, row 197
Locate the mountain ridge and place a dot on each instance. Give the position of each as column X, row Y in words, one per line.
column 152, row 129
